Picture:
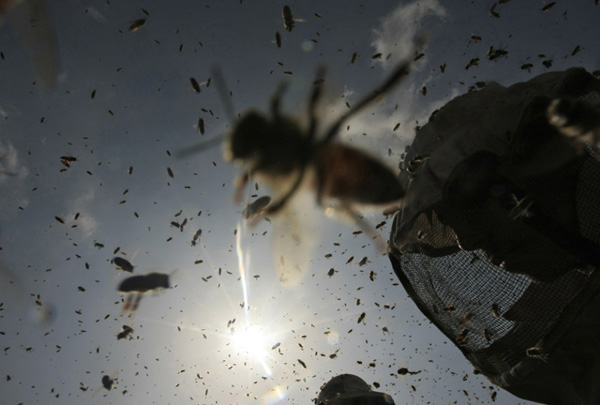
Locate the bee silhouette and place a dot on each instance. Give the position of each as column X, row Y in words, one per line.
column 136, row 286
column 288, row 18
column 290, row 157
column 122, row 264
column 277, row 147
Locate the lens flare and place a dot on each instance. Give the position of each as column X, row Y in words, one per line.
column 251, row 339
column 276, row 394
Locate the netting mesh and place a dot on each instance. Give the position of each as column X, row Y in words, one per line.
column 499, row 240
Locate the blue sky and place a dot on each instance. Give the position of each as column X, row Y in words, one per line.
column 144, row 110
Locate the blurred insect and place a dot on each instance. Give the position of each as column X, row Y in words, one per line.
column 466, row 318
column 278, row 39
column 472, row 62
column 122, row 264
column 493, row 11
column 107, row 382
column 361, row 317
column 548, row 6
column 537, row 352
column 462, row 337
column 527, row 66
column 137, row 25
column 494, row 54
column 495, row 310
column 127, row 330
column 578, row 120
column 256, row 207
column 195, row 85
column 136, row 286
column 67, row 160
column 288, row 19
column 404, row 371
column 200, row 126
column 290, row 158
column 196, row 237
column 475, row 38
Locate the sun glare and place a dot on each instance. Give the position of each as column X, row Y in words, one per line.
column 252, row 341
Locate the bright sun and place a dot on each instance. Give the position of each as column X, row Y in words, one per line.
column 252, row 340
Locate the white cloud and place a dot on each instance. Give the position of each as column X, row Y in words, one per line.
column 10, row 168
column 405, row 105
column 397, row 33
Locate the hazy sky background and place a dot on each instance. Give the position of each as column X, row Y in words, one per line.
column 144, row 110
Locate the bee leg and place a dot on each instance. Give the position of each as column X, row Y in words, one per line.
column 137, row 303
column 394, row 79
column 240, row 183
column 276, row 99
column 315, row 96
column 127, row 304
column 276, row 206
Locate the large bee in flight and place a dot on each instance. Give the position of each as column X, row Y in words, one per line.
column 277, row 147
column 288, row 157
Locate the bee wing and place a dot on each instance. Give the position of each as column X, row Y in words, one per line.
column 294, row 230
column 30, row 23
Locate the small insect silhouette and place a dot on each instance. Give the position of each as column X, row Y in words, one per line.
column 288, row 18
column 137, row 25
column 278, row 39
column 127, row 330
column 122, row 264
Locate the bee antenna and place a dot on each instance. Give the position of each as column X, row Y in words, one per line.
column 199, row 147
column 223, row 93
